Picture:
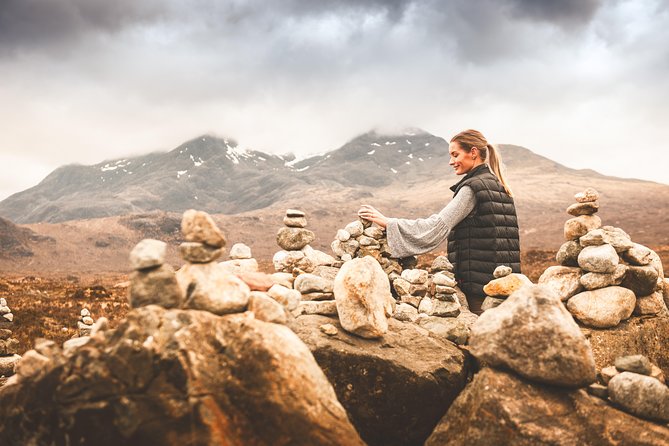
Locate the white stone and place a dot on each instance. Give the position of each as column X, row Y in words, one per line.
column 287, row 297
column 415, row 275
column 563, row 280
column 355, row 228
column 210, row 287
column 602, row 308
column 598, row 259
column 443, row 279
column 240, row 251
column 148, row 253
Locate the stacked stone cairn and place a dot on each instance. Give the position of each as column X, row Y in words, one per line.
column 603, row 276
column 240, row 259
column 9, row 356
column 85, row 323
column 502, row 286
column 635, row 385
column 362, row 238
column 6, row 316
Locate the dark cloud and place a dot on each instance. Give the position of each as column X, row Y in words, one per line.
column 48, row 23
column 561, row 12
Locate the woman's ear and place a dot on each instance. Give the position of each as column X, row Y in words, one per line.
column 474, row 152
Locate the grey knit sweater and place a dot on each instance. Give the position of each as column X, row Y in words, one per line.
column 411, row 237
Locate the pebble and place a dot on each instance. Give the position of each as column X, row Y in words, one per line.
column 634, row 363
column 329, row 329
column 294, row 213
column 588, row 208
column 343, row 235
column 598, row 259
column 355, row 228
column 501, row 271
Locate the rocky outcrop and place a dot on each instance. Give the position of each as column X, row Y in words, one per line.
column 176, row 377
column 396, row 388
column 498, row 408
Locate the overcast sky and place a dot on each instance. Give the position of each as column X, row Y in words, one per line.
column 583, row 82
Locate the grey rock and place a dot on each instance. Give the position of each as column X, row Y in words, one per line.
column 534, row 335
column 563, row 280
column 287, row 297
column 568, row 253
column 441, row 263
column 426, row 305
column 309, row 283
column 367, row 241
column 355, row 228
column 490, row 303
column 415, row 275
column 442, row 308
column 148, row 253
column 401, row 286
column 615, row 237
column 598, row 259
column 442, row 279
column 602, row 308
column 451, row 329
column 195, row 252
column 598, row 390
column 295, row 222
column 593, row 281
column 406, row 313
column 209, row 287
column 350, row 247
column 642, row 280
column 295, row 213
column 418, row 289
column 607, row 373
column 441, row 289
column 292, row 239
column 343, row 235
column 634, row 363
column 640, row 395
column 240, row 265
column 650, row 305
column 318, row 258
column 317, row 296
column 324, row 307
column 8, row 364
column 288, row 261
column 362, row 294
column 326, row 272
column 240, row 251
column 156, row 286
column 501, row 271
column 410, row 299
column 374, row 232
column 638, row 255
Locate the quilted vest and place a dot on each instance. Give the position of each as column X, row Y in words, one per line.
column 487, row 237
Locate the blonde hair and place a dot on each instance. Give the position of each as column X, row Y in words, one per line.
column 468, row 139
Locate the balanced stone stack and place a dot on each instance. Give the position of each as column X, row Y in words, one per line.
column 85, row 323
column 502, row 286
column 240, row 259
column 6, row 315
column 153, row 282
column 637, row 386
column 317, row 295
column 297, row 255
column 8, row 353
column 204, row 283
column 604, row 277
column 361, row 238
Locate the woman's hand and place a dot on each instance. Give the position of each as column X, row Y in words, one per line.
column 370, row 213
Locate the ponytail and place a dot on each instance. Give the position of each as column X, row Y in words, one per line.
column 497, row 167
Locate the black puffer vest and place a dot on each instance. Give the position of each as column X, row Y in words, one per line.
column 486, row 238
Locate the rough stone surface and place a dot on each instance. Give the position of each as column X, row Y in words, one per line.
column 588, row 208
column 441, row 263
column 415, row 275
column 199, row 227
column 594, row 281
column 588, row 195
column 451, row 329
column 295, row 222
column 563, row 280
column 394, row 389
column 240, row 251
column 195, row 252
column 534, row 335
column 568, row 253
column 642, row 280
column 497, row 408
column 598, row 259
column 287, row 297
column 292, row 239
column 309, row 283
column 318, row 258
column 640, row 395
column 444, row 308
column 443, row 279
column 576, row 227
column 324, row 307
column 363, row 298
column 652, row 304
column 638, row 255
column 406, row 313
column 506, row 285
column 490, row 302
column 502, row 271
column 179, row 377
column 148, row 253
column 635, row 364
column 157, row 286
column 288, row 261
column 8, row 364
column 602, row 308
column 355, row 228
column 401, row 286
column 209, row 287
column 266, row 309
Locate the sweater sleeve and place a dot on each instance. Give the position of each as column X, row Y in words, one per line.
column 411, row 237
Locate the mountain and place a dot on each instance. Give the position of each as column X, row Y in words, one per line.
column 111, row 205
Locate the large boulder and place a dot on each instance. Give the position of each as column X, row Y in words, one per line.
column 498, row 408
column 394, row 389
column 178, row 377
column 533, row 334
column 603, row 308
column 362, row 293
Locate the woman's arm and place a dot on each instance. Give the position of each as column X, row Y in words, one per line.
column 411, row 237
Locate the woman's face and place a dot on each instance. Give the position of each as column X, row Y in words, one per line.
column 462, row 161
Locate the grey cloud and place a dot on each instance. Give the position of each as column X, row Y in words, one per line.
column 560, row 12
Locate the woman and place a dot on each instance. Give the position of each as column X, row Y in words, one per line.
column 480, row 222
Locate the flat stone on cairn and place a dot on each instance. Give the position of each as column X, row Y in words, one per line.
column 198, row 226
column 155, row 284
column 505, row 286
column 294, row 236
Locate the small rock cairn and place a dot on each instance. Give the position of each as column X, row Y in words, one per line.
column 636, row 385
column 361, row 238
column 504, row 283
column 5, row 312
column 604, row 277
column 85, row 323
column 8, row 353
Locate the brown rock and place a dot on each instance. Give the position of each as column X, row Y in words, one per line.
column 563, row 280
column 209, row 287
column 506, row 285
column 576, row 227
column 156, row 286
column 602, row 308
column 642, row 280
column 650, row 305
column 568, row 253
column 588, row 208
column 195, row 252
column 497, row 408
column 588, row 195
column 256, row 281
column 198, row 226
column 266, row 309
column 292, row 239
